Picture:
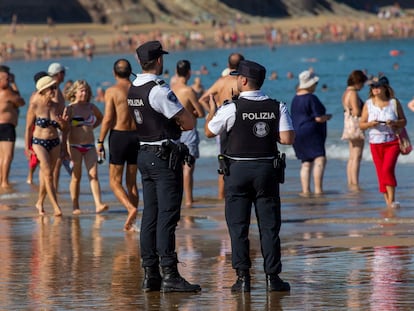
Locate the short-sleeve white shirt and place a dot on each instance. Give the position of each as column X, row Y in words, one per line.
column 161, row 98
column 226, row 114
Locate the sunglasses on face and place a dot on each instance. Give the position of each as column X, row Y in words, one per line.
column 53, row 87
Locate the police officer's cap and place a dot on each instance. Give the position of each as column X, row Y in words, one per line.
column 149, row 51
column 251, row 70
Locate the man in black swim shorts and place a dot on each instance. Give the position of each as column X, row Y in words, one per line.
column 10, row 101
column 123, row 141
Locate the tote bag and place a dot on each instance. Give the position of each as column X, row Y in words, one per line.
column 351, row 128
column 404, row 141
column 402, row 135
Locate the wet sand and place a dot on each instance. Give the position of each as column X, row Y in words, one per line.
column 340, row 251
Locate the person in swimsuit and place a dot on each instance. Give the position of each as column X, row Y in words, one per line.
column 352, row 105
column 58, row 72
column 10, row 101
column 123, row 142
column 84, row 118
column 33, row 161
column 42, row 124
column 190, row 138
column 225, row 88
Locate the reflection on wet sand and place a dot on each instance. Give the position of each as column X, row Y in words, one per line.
column 88, row 262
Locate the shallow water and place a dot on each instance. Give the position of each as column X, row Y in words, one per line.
column 340, row 251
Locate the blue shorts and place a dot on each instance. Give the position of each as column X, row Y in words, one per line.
column 191, row 140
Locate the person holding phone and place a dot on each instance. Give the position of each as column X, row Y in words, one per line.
column 309, row 119
column 382, row 115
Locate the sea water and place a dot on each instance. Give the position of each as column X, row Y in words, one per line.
column 332, row 62
column 339, row 251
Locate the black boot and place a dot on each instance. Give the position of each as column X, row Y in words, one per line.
column 172, row 281
column 242, row 284
column 275, row 284
column 152, row 279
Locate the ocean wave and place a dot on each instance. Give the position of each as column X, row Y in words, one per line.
column 335, row 149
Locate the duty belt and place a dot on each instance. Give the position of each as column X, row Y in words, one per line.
column 151, row 148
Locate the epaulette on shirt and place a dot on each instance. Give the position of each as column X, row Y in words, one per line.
column 226, row 102
column 160, row 82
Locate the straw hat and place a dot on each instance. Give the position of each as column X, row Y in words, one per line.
column 307, row 79
column 44, row 83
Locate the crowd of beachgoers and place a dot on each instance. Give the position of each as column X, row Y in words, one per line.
column 231, row 35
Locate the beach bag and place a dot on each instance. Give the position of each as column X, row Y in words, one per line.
column 404, row 141
column 352, row 130
column 402, row 135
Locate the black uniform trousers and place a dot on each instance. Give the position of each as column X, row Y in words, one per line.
column 253, row 183
column 162, row 190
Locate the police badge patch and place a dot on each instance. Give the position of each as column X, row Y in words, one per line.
column 171, row 97
column 138, row 116
column 261, row 129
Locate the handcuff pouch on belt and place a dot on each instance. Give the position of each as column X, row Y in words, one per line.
column 175, row 154
column 223, row 165
column 279, row 163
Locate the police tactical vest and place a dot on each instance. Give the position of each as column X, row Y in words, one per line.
column 151, row 125
column 255, row 130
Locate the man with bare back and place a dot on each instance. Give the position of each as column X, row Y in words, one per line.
column 10, row 101
column 225, row 88
column 123, row 141
column 57, row 71
column 188, row 99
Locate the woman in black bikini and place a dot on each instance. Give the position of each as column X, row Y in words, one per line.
column 84, row 117
column 43, row 116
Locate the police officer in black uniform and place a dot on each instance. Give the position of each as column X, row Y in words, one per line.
column 159, row 118
column 252, row 170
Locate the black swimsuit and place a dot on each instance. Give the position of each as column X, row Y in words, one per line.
column 48, row 144
column 45, row 122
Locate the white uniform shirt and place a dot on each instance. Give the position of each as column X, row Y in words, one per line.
column 161, row 98
column 226, row 114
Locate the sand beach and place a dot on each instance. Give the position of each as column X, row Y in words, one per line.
column 42, row 41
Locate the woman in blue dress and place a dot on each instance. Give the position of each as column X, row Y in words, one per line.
column 309, row 121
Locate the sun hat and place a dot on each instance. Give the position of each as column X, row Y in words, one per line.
column 149, row 51
column 44, row 83
column 251, row 70
column 55, row 68
column 307, row 79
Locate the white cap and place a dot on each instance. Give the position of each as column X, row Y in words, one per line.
column 55, row 68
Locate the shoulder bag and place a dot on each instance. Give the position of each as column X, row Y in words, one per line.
column 403, row 139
